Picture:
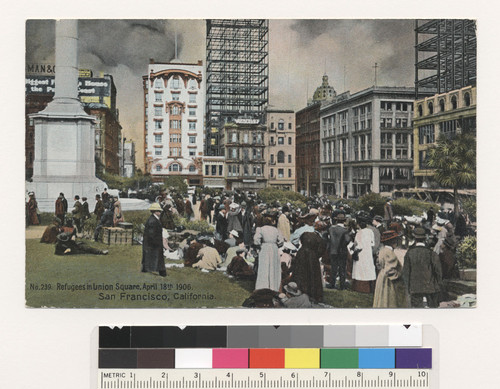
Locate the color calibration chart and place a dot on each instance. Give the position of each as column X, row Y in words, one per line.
column 333, row 356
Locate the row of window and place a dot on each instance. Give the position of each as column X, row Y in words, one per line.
column 400, row 138
column 175, row 138
column 281, row 125
column 394, row 106
column 387, row 154
column 159, row 152
column 398, row 123
column 211, row 170
column 442, row 104
column 362, row 109
column 281, row 157
column 174, row 83
column 174, row 97
column 281, row 173
column 246, row 153
column 246, row 170
column 236, row 137
column 175, row 167
column 174, row 110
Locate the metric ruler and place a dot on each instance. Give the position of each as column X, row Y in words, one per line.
column 264, row 378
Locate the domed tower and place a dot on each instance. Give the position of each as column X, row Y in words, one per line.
column 325, row 91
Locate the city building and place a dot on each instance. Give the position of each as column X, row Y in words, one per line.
column 213, row 172
column 243, row 143
column 366, row 142
column 237, row 75
column 445, row 55
column 307, row 149
column 324, row 91
column 174, row 112
column 444, row 114
column 279, row 151
column 127, row 164
column 98, row 96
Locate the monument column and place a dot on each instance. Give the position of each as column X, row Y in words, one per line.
column 64, row 133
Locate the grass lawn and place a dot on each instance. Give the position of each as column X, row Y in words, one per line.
column 115, row 281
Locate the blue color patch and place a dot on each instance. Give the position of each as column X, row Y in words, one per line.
column 377, row 358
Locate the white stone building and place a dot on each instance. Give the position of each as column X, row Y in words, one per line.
column 174, row 109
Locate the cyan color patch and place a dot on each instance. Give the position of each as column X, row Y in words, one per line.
column 377, row 358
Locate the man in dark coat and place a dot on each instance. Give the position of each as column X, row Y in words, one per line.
column 339, row 239
column 388, row 211
column 210, row 208
column 306, row 269
column 221, row 223
column 60, row 208
column 85, row 209
column 152, row 244
column 77, row 214
column 422, row 272
column 105, row 198
column 99, row 207
column 66, row 246
column 247, row 224
column 105, row 221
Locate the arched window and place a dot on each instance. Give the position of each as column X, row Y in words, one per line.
column 454, row 102
column 467, row 99
column 158, row 83
column 430, row 106
column 192, row 168
column 281, row 157
column 174, row 167
column 158, row 168
column 281, row 124
column 174, row 110
column 420, row 110
column 441, row 105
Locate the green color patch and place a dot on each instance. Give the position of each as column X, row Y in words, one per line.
column 339, row 358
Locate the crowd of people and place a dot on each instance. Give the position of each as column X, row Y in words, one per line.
column 293, row 254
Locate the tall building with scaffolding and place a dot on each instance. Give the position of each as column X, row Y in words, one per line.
column 445, row 55
column 237, row 76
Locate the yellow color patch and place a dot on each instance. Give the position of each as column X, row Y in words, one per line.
column 302, row 358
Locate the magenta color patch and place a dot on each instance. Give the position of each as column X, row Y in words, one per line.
column 227, row 358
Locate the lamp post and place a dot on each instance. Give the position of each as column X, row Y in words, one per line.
column 123, row 156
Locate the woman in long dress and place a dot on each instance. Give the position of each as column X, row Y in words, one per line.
column 389, row 289
column 269, row 269
column 363, row 270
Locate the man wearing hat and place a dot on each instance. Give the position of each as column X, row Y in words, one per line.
column 294, row 298
column 339, row 239
column 77, row 214
column 388, row 211
column 233, row 235
column 422, row 272
column 61, row 208
column 308, row 220
column 65, row 245
column 99, row 207
column 106, row 220
column 152, row 243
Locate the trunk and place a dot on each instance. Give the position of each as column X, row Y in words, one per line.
column 455, row 202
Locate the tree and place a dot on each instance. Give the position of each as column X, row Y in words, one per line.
column 454, row 163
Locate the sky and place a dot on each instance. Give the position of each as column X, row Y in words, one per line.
column 301, row 51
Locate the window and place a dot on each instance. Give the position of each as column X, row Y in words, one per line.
column 454, row 102
column 174, row 110
column 175, row 97
column 157, row 151
column 192, row 168
column 174, row 167
column 158, row 97
column 206, row 170
column 175, row 83
column 289, row 173
column 441, row 105
column 404, row 123
column 158, row 83
column 272, row 158
column 158, row 138
column 158, row 168
column 281, row 173
column 420, row 110
column 220, row 170
column 157, row 111
column 192, row 112
column 289, row 140
column 271, row 172
column 272, row 125
column 430, row 106
column 426, row 134
column 158, row 125
column 176, row 124
column 467, row 99
column 289, row 126
column 175, row 138
column 192, row 139
column 192, row 125
column 281, row 140
column 192, row 98
column 281, row 157
column 289, row 158
column 192, row 153
column 281, row 125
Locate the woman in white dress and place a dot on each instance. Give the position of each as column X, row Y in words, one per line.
column 363, row 269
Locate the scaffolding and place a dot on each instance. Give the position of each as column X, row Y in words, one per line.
column 237, row 74
column 445, row 55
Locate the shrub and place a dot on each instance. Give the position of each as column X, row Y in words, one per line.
column 469, row 206
column 374, row 200
column 196, row 225
column 270, row 195
column 176, row 184
column 467, row 252
column 410, row 207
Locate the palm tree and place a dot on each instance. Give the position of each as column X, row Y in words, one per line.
column 454, row 162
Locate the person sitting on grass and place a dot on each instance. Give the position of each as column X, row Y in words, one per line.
column 51, row 231
column 209, row 257
column 294, row 298
column 67, row 246
column 239, row 268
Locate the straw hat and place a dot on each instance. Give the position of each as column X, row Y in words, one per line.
column 293, row 289
column 155, row 207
